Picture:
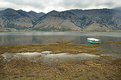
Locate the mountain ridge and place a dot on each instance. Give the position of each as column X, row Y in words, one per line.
column 69, row 20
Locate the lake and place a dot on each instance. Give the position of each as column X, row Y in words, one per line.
column 22, row 38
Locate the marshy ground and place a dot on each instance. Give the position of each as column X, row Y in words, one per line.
column 102, row 68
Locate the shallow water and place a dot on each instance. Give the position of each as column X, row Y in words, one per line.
column 47, row 58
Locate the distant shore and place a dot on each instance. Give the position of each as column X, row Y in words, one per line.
column 59, row 31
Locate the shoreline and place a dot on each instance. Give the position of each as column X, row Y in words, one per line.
column 61, row 31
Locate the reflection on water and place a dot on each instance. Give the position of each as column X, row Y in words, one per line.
column 20, row 38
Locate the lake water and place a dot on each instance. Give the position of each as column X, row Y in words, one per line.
column 21, row 38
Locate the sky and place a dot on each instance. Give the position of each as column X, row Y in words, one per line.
column 59, row 5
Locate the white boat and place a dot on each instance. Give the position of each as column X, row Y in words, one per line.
column 93, row 40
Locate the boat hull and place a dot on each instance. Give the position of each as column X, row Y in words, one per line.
column 94, row 42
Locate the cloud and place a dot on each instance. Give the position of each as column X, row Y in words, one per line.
column 88, row 4
column 48, row 5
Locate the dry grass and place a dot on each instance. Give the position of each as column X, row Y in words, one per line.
column 111, row 42
column 82, row 70
column 56, row 48
column 103, row 68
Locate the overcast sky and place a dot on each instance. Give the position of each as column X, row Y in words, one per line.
column 59, row 5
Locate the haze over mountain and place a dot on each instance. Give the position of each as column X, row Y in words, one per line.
column 69, row 20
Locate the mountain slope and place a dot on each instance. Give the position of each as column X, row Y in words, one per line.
column 107, row 19
column 20, row 19
column 57, row 21
column 79, row 20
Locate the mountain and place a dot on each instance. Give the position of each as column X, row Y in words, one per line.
column 69, row 20
column 98, row 19
column 117, row 8
column 86, row 20
column 17, row 19
column 57, row 21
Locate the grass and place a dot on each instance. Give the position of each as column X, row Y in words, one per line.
column 111, row 42
column 83, row 70
column 103, row 68
column 55, row 48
